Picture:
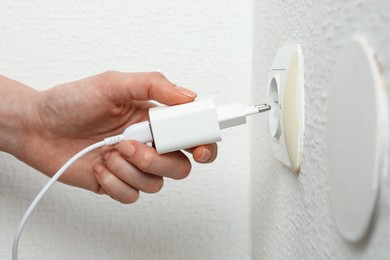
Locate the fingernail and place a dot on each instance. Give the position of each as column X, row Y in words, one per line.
column 206, row 154
column 106, row 155
column 187, row 92
column 98, row 168
column 129, row 151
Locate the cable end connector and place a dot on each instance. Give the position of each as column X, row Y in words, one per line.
column 113, row 139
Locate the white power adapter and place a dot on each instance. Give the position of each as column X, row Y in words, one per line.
column 170, row 128
column 184, row 126
column 173, row 128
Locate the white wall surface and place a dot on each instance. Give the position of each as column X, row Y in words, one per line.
column 291, row 215
column 244, row 206
column 203, row 45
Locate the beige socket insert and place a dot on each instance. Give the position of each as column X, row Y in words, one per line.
column 285, row 95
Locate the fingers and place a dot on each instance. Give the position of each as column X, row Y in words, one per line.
column 204, row 153
column 131, row 167
column 131, row 175
column 174, row 165
column 113, row 186
column 145, row 86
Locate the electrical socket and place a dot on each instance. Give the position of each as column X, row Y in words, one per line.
column 285, row 95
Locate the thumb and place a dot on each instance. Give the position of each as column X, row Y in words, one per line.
column 144, row 86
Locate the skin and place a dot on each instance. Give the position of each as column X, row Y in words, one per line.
column 45, row 128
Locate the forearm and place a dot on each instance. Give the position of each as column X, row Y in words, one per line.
column 16, row 115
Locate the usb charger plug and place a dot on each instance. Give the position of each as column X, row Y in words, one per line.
column 173, row 128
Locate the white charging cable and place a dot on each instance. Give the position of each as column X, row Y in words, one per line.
column 138, row 131
column 170, row 129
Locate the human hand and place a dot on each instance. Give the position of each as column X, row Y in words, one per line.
column 74, row 115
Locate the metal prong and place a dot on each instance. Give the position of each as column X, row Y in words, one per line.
column 263, row 108
column 253, row 110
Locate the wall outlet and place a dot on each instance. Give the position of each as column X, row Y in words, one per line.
column 285, row 95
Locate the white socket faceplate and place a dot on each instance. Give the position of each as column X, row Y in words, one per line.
column 357, row 131
column 285, row 95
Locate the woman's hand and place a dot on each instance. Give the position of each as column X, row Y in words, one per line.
column 65, row 119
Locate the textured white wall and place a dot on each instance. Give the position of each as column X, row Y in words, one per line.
column 204, row 45
column 291, row 215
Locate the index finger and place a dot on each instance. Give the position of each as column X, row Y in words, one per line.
column 144, row 86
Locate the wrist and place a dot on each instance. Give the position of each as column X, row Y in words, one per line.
column 17, row 113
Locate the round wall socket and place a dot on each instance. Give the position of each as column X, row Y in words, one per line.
column 285, row 95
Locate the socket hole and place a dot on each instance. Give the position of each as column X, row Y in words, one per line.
column 273, row 101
